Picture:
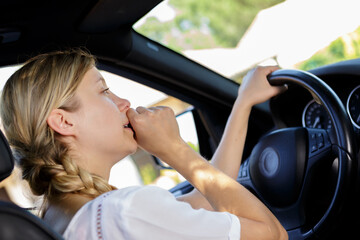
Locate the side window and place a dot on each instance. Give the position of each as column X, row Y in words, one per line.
column 188, row 129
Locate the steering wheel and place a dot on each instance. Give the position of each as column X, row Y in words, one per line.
column 281, row 165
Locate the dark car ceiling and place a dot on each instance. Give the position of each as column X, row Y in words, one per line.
column 46, row 25
column 104, row 27
column 108, row 15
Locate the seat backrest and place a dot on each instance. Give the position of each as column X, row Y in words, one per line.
column 17, row 223
column 6, row 158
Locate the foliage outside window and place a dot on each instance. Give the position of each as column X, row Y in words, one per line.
column 343, row 48
column 202, row 24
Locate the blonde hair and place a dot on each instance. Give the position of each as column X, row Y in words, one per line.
column 44, row 83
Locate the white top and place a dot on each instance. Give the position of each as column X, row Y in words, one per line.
column 148, row 213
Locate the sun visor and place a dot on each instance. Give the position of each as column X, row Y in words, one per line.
column 110, row 15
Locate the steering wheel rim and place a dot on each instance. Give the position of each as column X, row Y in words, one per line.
column 344, row 142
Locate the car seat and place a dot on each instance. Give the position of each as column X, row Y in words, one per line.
column 17, row 223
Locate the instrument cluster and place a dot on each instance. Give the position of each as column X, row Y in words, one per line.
column 315, row 116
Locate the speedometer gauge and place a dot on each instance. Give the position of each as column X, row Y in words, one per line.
column 353, row 106
column 315, row 116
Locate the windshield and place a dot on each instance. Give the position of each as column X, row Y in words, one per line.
column 232, row 36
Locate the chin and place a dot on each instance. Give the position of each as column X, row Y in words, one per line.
column 126, row 147
column 133, row 148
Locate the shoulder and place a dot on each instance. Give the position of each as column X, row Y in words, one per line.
column 136, row 201
column 126, row 196
column 139, row 212
column 113, row 206
column 138, row 191
column 133, row 195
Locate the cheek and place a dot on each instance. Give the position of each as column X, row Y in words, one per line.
column 100, row 120
column 103, row 111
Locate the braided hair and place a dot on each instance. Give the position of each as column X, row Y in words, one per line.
column 44, row 83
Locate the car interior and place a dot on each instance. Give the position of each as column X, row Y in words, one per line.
column 15, row 219
column 301, row 152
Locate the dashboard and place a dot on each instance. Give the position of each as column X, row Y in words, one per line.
column 297, row 107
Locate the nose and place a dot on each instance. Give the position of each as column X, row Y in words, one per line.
column 122, row 103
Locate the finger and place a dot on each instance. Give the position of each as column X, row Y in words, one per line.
column 157, row 108
column 280, row 89
column 131, row 113
column 141, row 109
column 154, row 108
column 270, row 69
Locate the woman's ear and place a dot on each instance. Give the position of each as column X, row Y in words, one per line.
column 60, row 121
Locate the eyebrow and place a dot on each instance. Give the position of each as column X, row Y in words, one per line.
column 100, row 79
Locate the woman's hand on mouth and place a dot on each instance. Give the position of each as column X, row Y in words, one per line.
column 156, row 129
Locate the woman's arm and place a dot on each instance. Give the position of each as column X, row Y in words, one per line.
column 224, row 194
column 227, row 158
column 254, row 89
column 157, row 132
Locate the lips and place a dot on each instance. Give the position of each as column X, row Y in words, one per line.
column 128, row 125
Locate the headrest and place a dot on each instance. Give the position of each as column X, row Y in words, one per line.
column 6, row 158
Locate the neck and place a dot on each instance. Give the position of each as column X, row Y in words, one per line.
column 93, row 163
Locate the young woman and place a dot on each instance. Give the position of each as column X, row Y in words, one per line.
column 67, row 129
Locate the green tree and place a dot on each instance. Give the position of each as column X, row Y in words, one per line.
column 345, row 47
column 148, row 173
column 203, row 24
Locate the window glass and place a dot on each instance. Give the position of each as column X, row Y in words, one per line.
column 137, row 169
column 232, row 36
column 188, row 129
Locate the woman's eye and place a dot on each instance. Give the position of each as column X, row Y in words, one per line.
column 106, row 91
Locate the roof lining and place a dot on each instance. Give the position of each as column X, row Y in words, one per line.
column 103, row 18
